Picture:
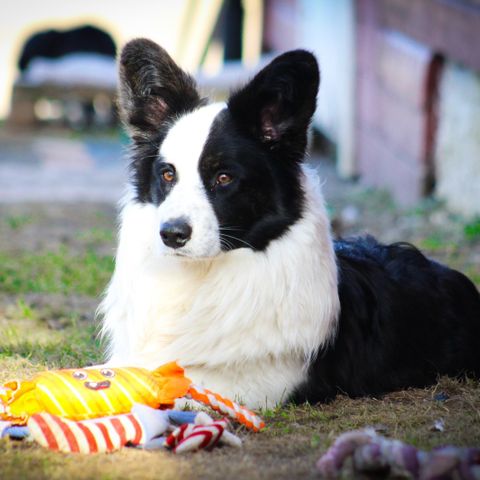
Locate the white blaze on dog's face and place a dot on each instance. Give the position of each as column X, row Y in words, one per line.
column 186, row 213
column 220, row 176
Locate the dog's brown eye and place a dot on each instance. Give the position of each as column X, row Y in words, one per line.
column 168, row 176
column 223, row 179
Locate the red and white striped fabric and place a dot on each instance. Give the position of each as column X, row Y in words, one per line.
column 226, row 407
column 189, row 437
column 100, row 435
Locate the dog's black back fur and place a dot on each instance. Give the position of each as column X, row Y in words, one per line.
column 404, row 321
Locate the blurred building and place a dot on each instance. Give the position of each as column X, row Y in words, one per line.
column 160, row 20
column 400, row 89
column 418, row 99
column 400, row 92
column 67, row 78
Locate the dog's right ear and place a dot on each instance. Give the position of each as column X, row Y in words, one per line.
column 276, row 106
column 153, row 88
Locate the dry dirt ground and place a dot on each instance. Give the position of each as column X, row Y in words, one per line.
column 55, row 259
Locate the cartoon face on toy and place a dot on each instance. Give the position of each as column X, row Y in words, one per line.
column 98, row 384
column 80, row 394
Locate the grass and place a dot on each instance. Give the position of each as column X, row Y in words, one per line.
column 97, row 236
column 471, row 230
column 16, row 222
column 435, row 243
column 74, row 347
column 29, row 340
column 408, row 415
column 63, row 272
column 36, row 335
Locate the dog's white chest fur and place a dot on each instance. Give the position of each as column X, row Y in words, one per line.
column 243, row 323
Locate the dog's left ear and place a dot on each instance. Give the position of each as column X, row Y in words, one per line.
column 278, row 104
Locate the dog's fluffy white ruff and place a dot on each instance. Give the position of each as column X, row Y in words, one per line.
column 242, row 323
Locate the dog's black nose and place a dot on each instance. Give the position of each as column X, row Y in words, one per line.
column 175, row 233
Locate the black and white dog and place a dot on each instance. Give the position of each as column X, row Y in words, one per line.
column 226, row 263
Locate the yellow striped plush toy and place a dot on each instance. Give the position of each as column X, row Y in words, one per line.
column 87, row 393
column 81, row 394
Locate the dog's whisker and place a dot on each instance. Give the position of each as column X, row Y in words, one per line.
column 224, row 242
column 238, row 240
column 231, row 228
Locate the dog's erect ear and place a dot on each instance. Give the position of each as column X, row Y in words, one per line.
column 152, row 87
column 280, row 100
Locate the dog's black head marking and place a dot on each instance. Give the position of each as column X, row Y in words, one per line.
column 257, row 141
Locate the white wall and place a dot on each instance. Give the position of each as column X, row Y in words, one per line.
column 328, row 29
column 457, row 156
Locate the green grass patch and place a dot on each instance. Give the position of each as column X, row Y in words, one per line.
column 25, row 336
column 24, row 310
column 471, row 230
column 73, row 347
column 474, row 277
column 436, row 242
column 15, row 222
column 97, row 236
column 55, row 272
column 432, row 243
column 424, row 207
